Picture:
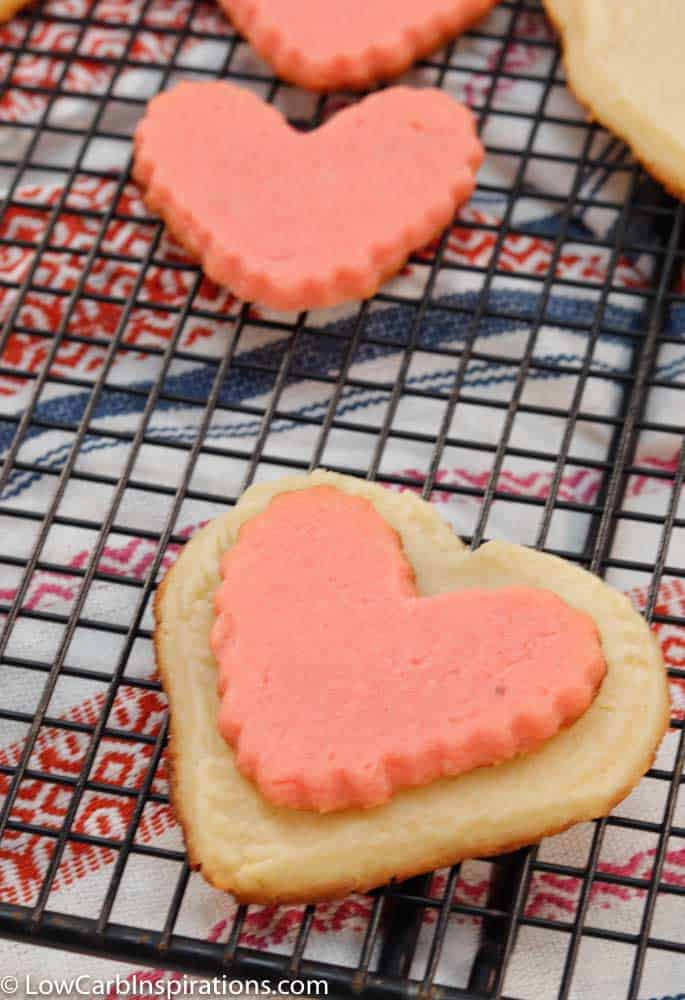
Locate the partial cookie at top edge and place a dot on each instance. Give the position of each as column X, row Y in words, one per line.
column 674, row 187
column 355, row 70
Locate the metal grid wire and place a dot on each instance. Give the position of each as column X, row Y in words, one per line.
column 646, row 221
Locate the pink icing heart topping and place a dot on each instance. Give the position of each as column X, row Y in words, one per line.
column 341, row 685
column 296, row 220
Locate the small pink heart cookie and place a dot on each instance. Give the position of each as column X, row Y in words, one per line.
column 341, row 685
column 299, row 220
column 326, row 44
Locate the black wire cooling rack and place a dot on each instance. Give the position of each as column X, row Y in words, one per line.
column 647, row 225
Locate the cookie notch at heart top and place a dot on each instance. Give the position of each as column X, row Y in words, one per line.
column 318, row 618
column 294, row 220
column 349, row 43
column 263, row 853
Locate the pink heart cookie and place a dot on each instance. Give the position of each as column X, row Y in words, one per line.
column 297, row 220
column 326, row 44
column 340, row 685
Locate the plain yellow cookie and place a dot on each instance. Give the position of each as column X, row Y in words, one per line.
column 624, row 64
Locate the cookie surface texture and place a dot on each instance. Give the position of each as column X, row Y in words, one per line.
column 267, row 853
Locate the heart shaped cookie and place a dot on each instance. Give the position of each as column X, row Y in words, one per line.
column 349, row 43
column 319, row 619
column 296, row 220
column 268, row 853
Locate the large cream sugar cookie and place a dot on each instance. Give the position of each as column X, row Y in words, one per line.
column 624, row 63
column 266, row 853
